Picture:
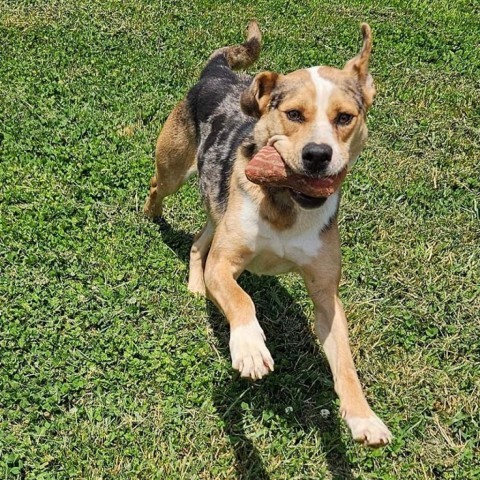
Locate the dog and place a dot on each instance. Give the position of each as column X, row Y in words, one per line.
column 315, row 119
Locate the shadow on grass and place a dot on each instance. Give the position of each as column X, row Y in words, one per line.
column 295, row 397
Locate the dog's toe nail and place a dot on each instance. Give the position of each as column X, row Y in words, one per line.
column 268, row 362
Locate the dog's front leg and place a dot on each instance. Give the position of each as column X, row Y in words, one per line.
column 331, row 328
column 321, row 279
column 250, row 355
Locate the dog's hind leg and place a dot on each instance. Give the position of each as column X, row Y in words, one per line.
column 174, row 158
column 198, row 257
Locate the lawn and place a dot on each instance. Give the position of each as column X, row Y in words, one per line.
column 109, row 368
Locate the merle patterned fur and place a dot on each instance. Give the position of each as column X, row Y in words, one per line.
column 220, row 127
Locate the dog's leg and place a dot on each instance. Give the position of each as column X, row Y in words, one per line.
column 250, row 355
column 174, row 159
column 198, row 257
column 321, row 279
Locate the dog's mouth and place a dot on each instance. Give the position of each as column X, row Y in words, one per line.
column 269, row 169
column 306, row 201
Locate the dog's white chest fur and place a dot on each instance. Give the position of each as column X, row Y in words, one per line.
column 279, row 252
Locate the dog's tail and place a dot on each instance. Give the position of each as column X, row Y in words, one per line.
column 243, row 55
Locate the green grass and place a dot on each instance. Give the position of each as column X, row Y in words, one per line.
column 110, row 368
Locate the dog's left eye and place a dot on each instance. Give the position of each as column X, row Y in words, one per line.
column 344, row 119
column 294, row 116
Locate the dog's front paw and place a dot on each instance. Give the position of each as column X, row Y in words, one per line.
column 369, row 431
column 250, row 356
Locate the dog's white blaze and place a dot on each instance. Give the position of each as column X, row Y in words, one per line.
column 322, row 128
column 324, row 89
column 297, row 245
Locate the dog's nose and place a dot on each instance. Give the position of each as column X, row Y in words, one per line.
column 316, row 157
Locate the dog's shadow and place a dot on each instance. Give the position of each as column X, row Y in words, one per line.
column 298, row 396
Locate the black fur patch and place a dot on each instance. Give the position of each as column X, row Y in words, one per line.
column 249, row 149
column 216, row 134
column 276, row 100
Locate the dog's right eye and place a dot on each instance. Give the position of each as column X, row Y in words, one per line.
column 294, row 116
column 344, row 119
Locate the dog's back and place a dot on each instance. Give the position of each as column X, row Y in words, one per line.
column 220, row 124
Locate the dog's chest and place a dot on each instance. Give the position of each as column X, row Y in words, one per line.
column 277, row 252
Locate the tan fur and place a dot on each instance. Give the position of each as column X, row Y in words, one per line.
column 198, row 257
column 174, row 159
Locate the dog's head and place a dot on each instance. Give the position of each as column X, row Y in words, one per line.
column 314, row 118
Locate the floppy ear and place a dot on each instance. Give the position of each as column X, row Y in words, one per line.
column 358, row 66
column 255, row 99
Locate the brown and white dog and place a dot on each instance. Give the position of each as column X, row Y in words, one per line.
column 315, row 119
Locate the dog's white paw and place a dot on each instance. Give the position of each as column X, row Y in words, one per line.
column 370, row 431
column 250, row 356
